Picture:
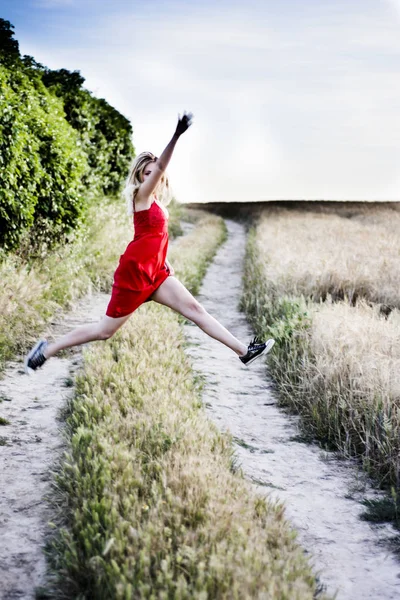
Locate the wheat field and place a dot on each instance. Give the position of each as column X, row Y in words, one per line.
column 326, row 286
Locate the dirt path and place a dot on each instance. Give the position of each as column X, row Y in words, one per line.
column 321, row 494
column 33, row 441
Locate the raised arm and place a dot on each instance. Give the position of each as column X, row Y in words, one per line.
column 149, row 185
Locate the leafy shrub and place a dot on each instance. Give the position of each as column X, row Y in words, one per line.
column 105, row 134
column 41, row 162
column 60, row 148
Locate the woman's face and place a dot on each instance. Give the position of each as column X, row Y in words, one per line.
column 149, row 168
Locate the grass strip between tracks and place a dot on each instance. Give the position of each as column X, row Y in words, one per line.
column 149, row 502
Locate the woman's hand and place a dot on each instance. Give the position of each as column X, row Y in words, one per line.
column 184, row 123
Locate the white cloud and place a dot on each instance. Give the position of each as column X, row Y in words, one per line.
column 306, row 106
column 395, row 4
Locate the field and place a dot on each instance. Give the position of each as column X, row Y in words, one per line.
column 147, row 500
column 325, row 284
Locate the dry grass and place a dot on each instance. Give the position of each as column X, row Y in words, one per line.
column 149, row 504
column 338, row 364
column 316, row 254
column 355, row 374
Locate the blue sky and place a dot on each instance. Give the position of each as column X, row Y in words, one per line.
column 292, row 98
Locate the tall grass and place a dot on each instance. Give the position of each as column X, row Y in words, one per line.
column 337, row 363
column 317, row 254
column 33, row 290
column 149, row 505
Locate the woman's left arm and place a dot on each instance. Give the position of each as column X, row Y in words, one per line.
column 148, row 186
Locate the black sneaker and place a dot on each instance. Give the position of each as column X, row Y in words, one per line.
column 35, row 358
column 255, row 349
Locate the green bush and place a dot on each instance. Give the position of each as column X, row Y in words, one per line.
column 41, row 161
column 105, row 134
column 60, row 148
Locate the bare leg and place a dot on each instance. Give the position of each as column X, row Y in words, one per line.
column 173, row 294
column 214, row 329
column 102, row 330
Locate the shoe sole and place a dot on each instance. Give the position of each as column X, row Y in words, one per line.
column 268, row 348
column 27, row 369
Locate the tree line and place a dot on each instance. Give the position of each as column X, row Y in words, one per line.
column 60, row 148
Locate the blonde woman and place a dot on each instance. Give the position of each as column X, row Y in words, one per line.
column 144, row 272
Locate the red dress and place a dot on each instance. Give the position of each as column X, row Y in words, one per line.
column 142, row 267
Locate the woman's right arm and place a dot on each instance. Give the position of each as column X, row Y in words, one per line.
column 147, row 187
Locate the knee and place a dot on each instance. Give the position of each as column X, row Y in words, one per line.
column 195, row 311
column 105, row 334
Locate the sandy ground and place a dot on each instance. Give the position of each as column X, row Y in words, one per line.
column 32, row 443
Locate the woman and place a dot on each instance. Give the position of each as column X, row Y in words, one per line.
column 143, row 272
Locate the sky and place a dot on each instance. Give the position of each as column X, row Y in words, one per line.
column 292, row 99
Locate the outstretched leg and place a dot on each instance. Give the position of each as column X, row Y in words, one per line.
column 102, row 330
column 173, row 293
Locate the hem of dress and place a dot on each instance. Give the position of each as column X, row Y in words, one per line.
column 146, row 299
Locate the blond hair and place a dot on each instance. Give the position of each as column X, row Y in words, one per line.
column 135, row 179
